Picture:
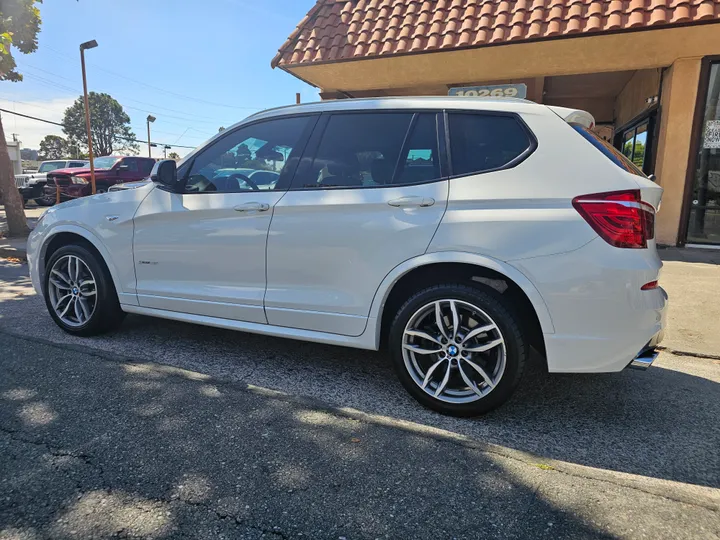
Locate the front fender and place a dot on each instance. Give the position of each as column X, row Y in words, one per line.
column 510, row 272
column 90, row 236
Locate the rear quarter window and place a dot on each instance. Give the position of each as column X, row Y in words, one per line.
column 482, row 142
column 608, row 150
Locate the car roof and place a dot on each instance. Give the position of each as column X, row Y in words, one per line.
column 406, row 102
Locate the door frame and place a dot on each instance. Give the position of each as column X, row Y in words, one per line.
column 700, row 99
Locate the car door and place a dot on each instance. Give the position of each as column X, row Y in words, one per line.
column 126, row 170
column 202, row 251
column 368, row 195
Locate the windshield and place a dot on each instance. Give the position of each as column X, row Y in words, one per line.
column 617, row 157
column 105, row 162
column 51, row 166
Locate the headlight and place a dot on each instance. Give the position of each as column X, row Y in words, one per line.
column 78, row 180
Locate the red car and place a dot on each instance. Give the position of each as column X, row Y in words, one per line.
column 109, row 170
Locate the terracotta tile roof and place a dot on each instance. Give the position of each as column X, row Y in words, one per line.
column 352, row 29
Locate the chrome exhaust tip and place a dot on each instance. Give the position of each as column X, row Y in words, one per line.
column 645, row 359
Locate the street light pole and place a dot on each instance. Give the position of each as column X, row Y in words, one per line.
column 150, row 119
column 83, row 47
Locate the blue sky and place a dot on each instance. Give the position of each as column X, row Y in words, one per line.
column 193, row 65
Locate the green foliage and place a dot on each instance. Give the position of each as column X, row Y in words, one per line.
column 54, row 147
column 110, row 126
column 174, row 155
column 19, row 27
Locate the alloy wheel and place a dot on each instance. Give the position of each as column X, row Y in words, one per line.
column 454, row 351
column 72, row 290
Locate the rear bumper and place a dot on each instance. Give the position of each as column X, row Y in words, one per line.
column 603, row 320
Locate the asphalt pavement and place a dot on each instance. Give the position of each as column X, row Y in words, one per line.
column 164, row 429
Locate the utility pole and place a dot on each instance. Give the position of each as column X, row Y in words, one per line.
column 83, row 47
column 150, row 119
column 297, row 98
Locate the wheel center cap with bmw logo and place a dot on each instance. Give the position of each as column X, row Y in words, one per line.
column 452, row 350
column 75, row 290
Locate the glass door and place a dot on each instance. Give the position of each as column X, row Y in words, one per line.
column 704, row 218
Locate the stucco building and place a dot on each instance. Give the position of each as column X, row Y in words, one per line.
column 648, row 70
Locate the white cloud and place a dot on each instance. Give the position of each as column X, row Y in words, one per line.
column 31, row 132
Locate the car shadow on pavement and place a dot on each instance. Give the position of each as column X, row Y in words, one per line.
column 662, row 423
column 95, row 448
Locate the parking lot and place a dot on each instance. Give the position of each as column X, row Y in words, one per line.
column 634, row 436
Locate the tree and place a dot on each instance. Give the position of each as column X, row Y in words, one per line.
column 110, row 125
column 19, row 26
column 54, row 147
column 174, row 155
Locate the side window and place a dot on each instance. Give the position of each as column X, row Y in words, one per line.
column 357, row 150
column 484, row 142
column 420, row 158
column 233, row 163
column 76, row 164
column 131, row 163
column 146, row 166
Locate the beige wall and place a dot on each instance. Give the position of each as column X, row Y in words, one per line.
column 677, row 105
column 631, row 102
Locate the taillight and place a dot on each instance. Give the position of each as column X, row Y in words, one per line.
column 649, row 286
column 619, row 217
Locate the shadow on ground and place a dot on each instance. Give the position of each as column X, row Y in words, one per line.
column 94, row 449
column 662, row 423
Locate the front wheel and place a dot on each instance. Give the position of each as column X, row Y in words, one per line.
column 46, row 200
column 458, row 350
column 79, row 292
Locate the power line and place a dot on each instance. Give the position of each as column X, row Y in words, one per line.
column 50, row 83
column 59, row 124
column 125, row 98
column 160, row 89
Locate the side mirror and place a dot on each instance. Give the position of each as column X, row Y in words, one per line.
column 165, row 173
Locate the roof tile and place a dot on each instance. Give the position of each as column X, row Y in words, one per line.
column 336, row 30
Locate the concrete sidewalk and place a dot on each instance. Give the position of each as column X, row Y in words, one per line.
column 99, row 446
column 15, row 247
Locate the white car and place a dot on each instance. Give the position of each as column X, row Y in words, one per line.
column 31, row 185
column 456, row 232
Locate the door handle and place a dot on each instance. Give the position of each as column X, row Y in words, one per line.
column 252, row 207
column 409, row 202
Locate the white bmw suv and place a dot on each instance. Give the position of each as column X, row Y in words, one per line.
column 458, row 233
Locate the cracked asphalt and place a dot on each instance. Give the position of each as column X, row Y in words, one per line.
column 166, row 430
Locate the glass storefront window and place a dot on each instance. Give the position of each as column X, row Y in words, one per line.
column 634, row 144
column 704, row 224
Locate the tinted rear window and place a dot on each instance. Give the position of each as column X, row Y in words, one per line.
column 485, row 142
column 612, row 153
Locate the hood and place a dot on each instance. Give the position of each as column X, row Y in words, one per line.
column 110, row 197
column 77, row 171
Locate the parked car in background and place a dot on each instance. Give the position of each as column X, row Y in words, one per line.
column 31, row 185
column 109, row 171
column 455, row 232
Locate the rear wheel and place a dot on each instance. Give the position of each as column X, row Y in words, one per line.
column 458, row 349
column 79, row 292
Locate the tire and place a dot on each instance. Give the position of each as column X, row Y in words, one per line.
column 44, row 201
column 477, row 308
column 85, row 315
